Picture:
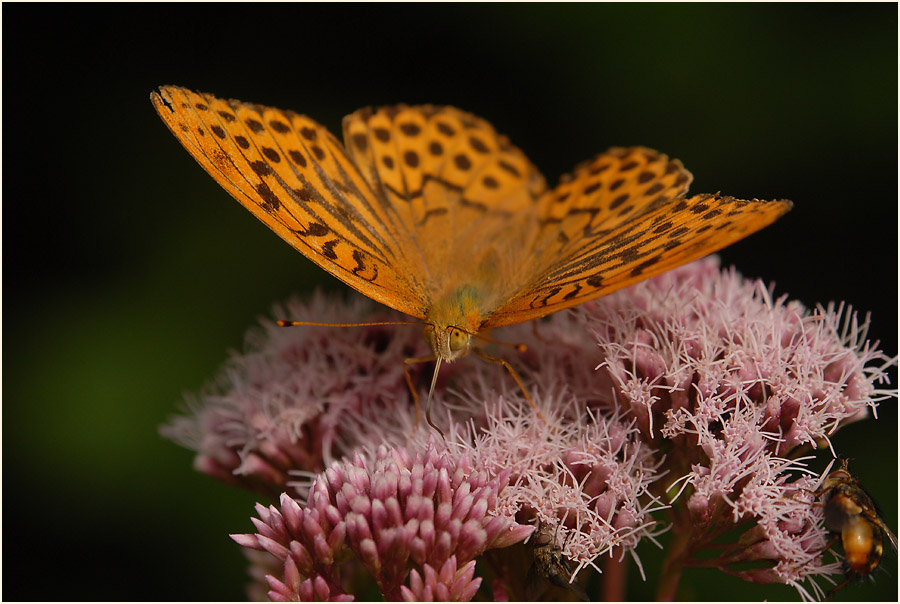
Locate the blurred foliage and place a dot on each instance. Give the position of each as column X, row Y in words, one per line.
column 142, row 273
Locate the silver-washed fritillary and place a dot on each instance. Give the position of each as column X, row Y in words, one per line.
column 429, row 211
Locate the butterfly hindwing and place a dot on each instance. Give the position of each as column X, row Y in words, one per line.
column 605, row 193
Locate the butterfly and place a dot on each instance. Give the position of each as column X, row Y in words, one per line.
column 428, row 210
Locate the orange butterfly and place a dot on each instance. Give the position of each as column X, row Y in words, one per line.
column 429, row 211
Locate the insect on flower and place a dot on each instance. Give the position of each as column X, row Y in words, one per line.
column 851, row 514
column 550, row 567
column 430, row 211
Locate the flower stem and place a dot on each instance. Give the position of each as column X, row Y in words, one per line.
column 675, row 558
column 614, row 583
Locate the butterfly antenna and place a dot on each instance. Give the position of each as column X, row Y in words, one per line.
column 518, row 347
column 283, row 323
column 437, row 366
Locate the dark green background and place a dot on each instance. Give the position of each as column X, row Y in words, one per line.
column 128, row 273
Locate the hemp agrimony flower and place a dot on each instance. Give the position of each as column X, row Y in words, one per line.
column 687, row 404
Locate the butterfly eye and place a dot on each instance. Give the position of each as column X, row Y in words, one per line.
column 459, row 340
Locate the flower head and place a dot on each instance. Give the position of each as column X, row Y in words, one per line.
column 682, row 404
column 429, row 510
column 738, row 384
column 294, row 400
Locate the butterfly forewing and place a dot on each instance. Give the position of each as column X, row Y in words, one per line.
column 662, row 236
column 601, row 196
column 296, row 178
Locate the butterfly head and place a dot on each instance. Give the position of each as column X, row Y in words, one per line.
column 449, row 342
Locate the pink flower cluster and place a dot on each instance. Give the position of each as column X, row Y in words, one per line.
column 740, row 385
column 683, row 404
column 432, row 509
column 296, row 399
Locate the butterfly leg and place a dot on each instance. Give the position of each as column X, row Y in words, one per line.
column 537, row 334
column 513, row 373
